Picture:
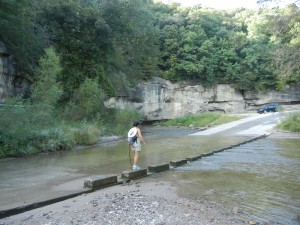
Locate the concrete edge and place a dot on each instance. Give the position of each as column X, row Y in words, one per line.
column 158, row 168
column 100, row 181
column 134, row 174
column 21, row 209
column 176, row 163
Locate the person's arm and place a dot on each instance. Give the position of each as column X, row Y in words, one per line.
column 140, row 135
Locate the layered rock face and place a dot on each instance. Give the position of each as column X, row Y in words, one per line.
column 10, row 83
column 160, row 99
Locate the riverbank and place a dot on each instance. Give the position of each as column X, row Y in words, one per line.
column 138, row 202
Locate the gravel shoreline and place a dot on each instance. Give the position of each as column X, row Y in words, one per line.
column 138, row 202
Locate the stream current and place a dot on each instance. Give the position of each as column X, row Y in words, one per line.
column 259, row 179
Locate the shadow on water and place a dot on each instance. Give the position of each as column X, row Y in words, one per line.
column 259, row 180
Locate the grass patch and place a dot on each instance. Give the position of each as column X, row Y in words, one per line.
column 123, row 121
column 33, row 139
column 86, row 134
column 200, row 120
column 20, row 136
column 226, row 119
column 291, row 123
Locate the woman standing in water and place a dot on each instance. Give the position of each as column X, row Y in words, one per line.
column 134, row 140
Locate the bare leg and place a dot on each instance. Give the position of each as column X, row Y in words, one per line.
column 136, row 157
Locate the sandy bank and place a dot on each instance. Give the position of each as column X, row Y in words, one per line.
column 139, row 202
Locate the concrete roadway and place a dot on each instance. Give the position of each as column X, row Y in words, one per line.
column 257, row 124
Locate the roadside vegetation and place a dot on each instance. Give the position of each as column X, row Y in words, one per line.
column 291, row 123
column 200, row 120
column 20, row 137
column 40, row 123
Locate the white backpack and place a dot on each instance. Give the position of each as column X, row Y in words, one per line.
column 132, row 135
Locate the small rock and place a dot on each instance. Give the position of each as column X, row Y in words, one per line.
column 236, row 210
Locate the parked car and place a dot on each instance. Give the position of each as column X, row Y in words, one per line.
column 269, row 108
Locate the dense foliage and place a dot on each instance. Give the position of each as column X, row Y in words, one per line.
column 40, row 123
column 253, row 50
column 119, row 42
column 77, row 52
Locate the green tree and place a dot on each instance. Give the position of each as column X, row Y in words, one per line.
column 20, row 32
column 82, row 38
column 87, row 102
column 25, row 123
column 113, row 41
column 46, row 91
column 135, row 38
column 284, row 30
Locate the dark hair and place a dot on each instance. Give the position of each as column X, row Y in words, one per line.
column 136, row 123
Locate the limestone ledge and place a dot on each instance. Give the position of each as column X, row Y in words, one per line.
column 160, row 99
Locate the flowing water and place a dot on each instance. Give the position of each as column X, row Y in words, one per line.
column 259, row 179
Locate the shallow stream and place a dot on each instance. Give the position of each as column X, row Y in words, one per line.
column 259, row 179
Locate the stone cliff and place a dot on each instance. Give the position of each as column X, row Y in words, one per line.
column 11, row 84
column 160, row 99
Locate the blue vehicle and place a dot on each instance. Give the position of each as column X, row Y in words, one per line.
column 269, row 108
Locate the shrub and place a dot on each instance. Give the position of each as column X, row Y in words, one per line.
column 46, row 91
column 291, row 123
column 86, row 103
column 86, row 134
column 52, row 139
column 29, row 139
column 123, row 120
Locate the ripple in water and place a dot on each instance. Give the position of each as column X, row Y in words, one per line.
column 261, row 178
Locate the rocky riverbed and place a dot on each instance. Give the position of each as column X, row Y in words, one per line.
column 138, row 202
